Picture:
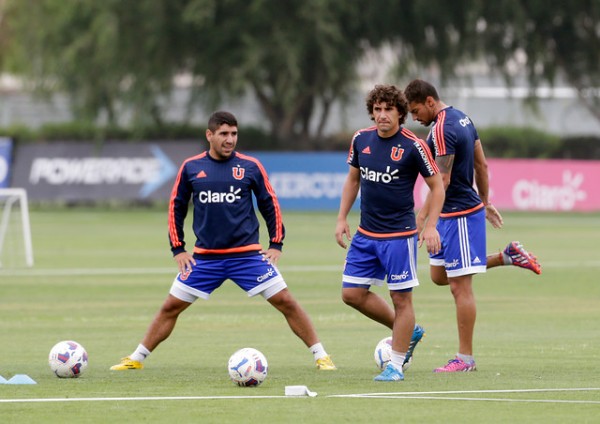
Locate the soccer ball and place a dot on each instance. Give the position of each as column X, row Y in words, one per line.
column 383, row 354
column 68, row 359
column 248, row 367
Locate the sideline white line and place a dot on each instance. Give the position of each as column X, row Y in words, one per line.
column 480, row 399
column 462, row 392
column 397, row 395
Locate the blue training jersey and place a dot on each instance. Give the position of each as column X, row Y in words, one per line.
column 224, row 220
column 389, row 168
column 453, row 133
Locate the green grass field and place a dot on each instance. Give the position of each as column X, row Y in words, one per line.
column 101, row 274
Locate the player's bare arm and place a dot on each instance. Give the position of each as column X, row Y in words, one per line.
column 436, row 196
column 445, row 163
column 482, row 184
column 349, row 194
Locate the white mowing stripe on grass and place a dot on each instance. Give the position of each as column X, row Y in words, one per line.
column 137, row 271
column 397, row 395
column 172, row 271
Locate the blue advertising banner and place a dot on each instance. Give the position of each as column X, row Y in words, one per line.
column 82, row 172
column 5, row 160
column 305, row 181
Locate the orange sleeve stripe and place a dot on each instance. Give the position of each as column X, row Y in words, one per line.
column 459, row 213
column 371, row 128
column 440, row 141
column 172, row 227
column 278, row 217
column 386, row 235
column 426, row 149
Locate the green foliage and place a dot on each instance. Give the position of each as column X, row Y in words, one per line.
column 296, row 58
column 511, row 142
column 551, row 40
column 101, row 275
column 579, row 148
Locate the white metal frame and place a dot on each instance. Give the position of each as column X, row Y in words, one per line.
column 14, row 195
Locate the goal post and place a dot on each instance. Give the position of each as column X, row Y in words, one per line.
column 14, row 201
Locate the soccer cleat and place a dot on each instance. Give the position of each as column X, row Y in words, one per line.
column 326, row 364
column 390, row 373
column 521, row 258
column 418, row 334
column 457, row 365
column 127, row 364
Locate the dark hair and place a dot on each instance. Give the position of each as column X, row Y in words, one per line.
column 391, row 95
column 219, row 118
column 418, row 90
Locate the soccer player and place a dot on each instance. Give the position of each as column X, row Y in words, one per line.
column 461, row 160
column 221, row 184
column 385, row 161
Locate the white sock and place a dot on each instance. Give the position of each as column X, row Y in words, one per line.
column 398, row 359
column 465, row 358
column 506, row 259
column 140, row 353
column 318, row 351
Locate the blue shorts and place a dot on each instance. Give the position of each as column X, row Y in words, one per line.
column 254, row 274
column 369, row 262
column 463, row 245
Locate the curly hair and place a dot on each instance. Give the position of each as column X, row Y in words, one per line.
column 391, row 95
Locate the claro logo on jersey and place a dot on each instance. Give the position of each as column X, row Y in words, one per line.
column 399, row 277
column 377, row 176
column 216, row 197
column 266, row 276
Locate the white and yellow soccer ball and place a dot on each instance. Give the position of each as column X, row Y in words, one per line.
column 68, row 359
column 383, row 354
column 248, row 367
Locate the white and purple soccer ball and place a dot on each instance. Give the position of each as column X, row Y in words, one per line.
column 383, row 354
column 68, row 359
column 248, row 367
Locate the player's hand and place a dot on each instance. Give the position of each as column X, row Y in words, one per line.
column 185, row 261
column 342, row 229
column 271, row 255
column 492, row 215
column 431, row 237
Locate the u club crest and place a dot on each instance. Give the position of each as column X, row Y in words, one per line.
column 396, row 154
column 238, row 172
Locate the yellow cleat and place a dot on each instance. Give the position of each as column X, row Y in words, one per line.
column 326, row 364
column 127, row 364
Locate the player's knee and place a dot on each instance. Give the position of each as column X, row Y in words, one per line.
column 439, row 277
column 439, row 281
column 352, row 297
column 172, row 307
column 284, row 302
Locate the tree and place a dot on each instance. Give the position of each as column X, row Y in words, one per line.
column 554, row 38
column 109, row 56
column 296, row 57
